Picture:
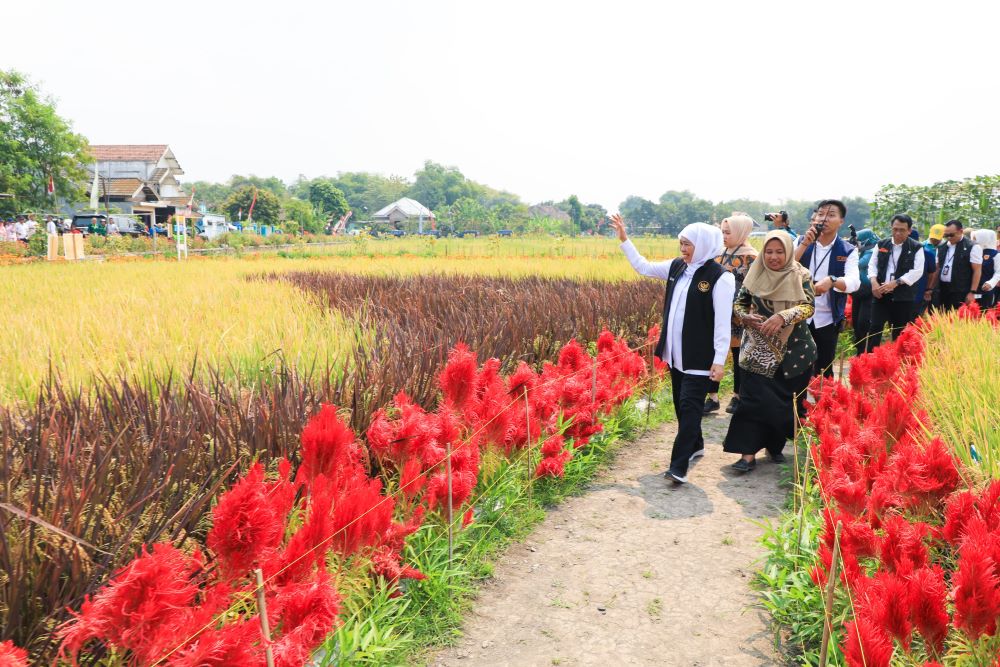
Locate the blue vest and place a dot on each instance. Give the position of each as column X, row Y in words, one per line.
column 930, row 266
column 835, row 267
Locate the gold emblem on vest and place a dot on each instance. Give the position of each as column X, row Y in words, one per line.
column 704, row 286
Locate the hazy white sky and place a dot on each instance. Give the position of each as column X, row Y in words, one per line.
column 603, row 99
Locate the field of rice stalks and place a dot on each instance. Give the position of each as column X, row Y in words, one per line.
column 145, row 318
column 186, row 374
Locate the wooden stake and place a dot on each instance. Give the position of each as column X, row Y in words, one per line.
column 451, row 522
column 831, row 586
column 593, row 383
column 527, row 450
column 265, row 627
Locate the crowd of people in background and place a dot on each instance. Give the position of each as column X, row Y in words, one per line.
column 19, row 229
column 780, row 312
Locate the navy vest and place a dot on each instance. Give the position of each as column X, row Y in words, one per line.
column 698, row 327
column 989, row 267
column 835, row 267
column 961, row 267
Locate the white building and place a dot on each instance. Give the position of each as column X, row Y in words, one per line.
column 404, row 211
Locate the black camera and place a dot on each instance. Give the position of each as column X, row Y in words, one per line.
column 770, row 217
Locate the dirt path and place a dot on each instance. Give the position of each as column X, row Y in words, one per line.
column 635, row 572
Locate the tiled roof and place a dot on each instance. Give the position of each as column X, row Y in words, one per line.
column 128, row 152
column 119, row 187
column 158, row 174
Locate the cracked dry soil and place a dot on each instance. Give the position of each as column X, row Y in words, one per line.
column 636, row 571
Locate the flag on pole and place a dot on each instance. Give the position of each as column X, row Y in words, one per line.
column 50, row 189
column 94, row 195
column 252, row 202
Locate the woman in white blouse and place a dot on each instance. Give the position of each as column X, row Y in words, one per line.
column 695, row 332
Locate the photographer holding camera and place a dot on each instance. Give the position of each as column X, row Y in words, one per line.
column 780, row 221
column 833, row 265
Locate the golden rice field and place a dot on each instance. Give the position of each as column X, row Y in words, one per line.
column 960, row 382
column 144, row 318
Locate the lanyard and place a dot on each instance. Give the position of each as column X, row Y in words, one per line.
column 814, row 265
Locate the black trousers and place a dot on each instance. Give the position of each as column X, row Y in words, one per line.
column 861, row 319
column 896, row 313
column 689, row 393
column 826, row 348
column 713, row 387
column 951, row 299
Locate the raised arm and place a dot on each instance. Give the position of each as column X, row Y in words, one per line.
column 641, row 265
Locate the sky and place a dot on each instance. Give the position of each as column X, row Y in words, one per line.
column 764, row 100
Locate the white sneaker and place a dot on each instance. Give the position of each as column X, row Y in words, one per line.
column 675, row 477
column 697, row 454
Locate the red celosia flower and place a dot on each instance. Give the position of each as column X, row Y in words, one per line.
column 523, row 378
column 975, row 588
column 411, row 479
column 308, row 613
column 553, row 466
column 553, row 446
column 328, row 446
column 468, row 517
column 145, row 608
column 927, row 598
column 458, row 379
column 866, row 645
column 572, row 357
column 903, row 550
column 12, row 656
column 232, row 644
column 885, row 601
column 245, row 524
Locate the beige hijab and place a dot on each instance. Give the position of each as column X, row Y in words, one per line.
column 740, row 226
column 783, row 287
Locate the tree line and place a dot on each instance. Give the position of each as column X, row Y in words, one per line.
column 36, row 144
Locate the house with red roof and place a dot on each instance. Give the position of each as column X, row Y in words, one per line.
column 141, row 179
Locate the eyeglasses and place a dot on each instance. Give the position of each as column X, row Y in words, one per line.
column 948, row 236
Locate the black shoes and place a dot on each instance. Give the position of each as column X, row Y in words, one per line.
column 734, row 404
column 710, row 405
column 776, row 458
column 744, row 466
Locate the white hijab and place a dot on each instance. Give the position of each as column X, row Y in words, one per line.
column 707, row 242
column 987, row 238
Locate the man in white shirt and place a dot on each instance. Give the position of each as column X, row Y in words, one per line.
column 960, row 265
column 897, row 266
column 833, row 264
column 21, row 230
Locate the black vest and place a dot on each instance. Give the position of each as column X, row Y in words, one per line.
column 961, row 267
column 989, row 267
column 907, row 256
column 698, row 327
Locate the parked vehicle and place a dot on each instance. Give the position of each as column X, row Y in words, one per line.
column 505, row 232
column 97, row 223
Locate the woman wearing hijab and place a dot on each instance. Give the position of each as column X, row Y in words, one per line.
column 694, row 335
column 777, row 352
column 861, row 301
column 987, row 292
column 737, row 256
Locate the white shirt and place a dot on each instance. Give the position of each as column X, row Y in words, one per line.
column 50, row 227
column 20, row 230
column 819, row 269
column 975, row 257
column 722, row 302
column 908, row 278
